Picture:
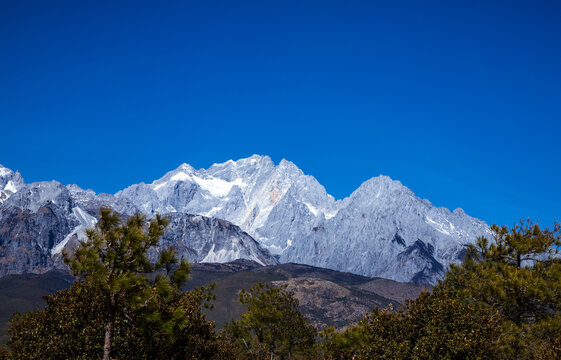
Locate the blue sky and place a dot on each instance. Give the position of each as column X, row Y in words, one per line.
column 459, row 100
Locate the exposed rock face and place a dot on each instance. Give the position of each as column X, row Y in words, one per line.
column 32, row 222
column 203, row 239
column 10, row 183
column 41, row 219
column 328, row 303
column 384, row 230
column 381, row 230
column 274, row 204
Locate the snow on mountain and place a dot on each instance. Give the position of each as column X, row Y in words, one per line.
column 33, row 221
column 382, row 229
column 85, row 220
column 250, row 208
column 205, row 239
column 10, row 183
column 39, row 220
column 275, row 204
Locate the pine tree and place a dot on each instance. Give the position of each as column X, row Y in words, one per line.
column 273, row 325
column 519, row 274
column 114, row 259
column 120, row 308
column 433, row 326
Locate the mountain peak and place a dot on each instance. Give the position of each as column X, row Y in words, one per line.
column 459, row 211
column 379, row 185
column 185, row 168
column 255, row 158
column 290, row 167
column 382, row 229
column 4, row 171
column 385, row 179
column 10, row 182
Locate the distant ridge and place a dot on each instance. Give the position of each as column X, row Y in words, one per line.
column 271, row 211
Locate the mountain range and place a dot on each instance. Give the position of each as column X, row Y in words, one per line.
column 247, row 209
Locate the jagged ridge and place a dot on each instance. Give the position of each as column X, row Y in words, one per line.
column 382, row 229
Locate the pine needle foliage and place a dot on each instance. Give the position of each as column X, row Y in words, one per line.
column 272, row 327
column 114, row 259
column 518, row 273
column 124, row 306
column 433, row 326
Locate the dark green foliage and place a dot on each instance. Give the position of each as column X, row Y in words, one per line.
column 4, row 353
column 116, row 311
column 272, row 327
column 72, row 327
column 342, row 345
column 433, row 326
column 520, row 276
column 445, row 327
column 503, row 302
column 173, row 327
column 113, row 261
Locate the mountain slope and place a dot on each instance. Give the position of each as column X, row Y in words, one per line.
column 326, row 297
column 41, row 219
column 382, row 229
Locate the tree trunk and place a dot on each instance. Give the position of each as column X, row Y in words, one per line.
column 109, row 331
column 107, row 343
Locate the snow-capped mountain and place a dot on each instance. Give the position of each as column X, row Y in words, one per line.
column 39, row 220
column 274, row 204
column 382, row 229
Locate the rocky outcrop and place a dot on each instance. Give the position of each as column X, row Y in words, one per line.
column 41, row 219
column 203, row 239
column 10, row 183
column 381, row 230
column 32, row 222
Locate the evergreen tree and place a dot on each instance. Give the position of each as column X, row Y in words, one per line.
column 71, row 326
column 114, row 259
column 519, row 274
column 433, row 326
column 342, row 345
column 117, row 310
column 273, row 326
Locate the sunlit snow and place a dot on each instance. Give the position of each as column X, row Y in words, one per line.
column 223, row 256
column 312, row 209
column 180, row 177
column 86, row 221
column 438, row 226
column 10, row 187
column 212, row 211
column 216, row 186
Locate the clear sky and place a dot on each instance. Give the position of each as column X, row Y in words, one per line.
column 459, row 100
